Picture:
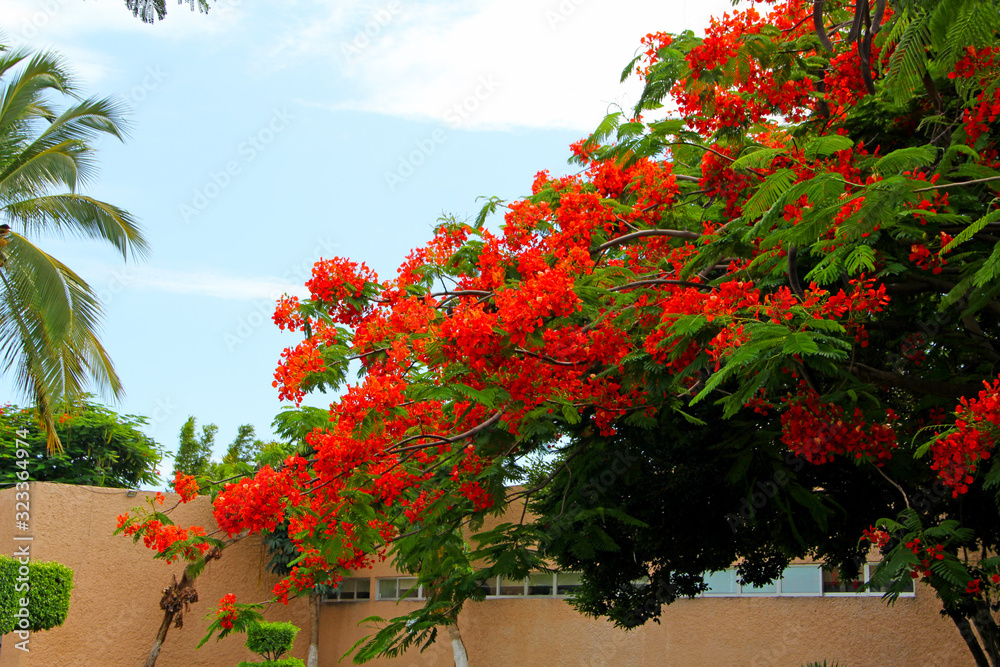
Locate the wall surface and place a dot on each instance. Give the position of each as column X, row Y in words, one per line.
column 114, row 611
column 755, row 632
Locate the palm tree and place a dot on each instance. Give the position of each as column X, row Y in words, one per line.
column 49, row 316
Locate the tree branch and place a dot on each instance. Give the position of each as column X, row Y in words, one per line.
column 442, row 440
column 675, row 233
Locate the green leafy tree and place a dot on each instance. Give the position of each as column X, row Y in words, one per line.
column 49, row 316
column 763, row 330
column 194, row 452
column 100, row 448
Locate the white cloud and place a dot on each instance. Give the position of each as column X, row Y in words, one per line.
column 554, row 64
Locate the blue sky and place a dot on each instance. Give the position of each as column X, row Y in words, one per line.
column 266, row 135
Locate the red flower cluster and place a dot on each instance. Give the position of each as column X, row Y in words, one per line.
column 819, row 431
column 226, row 613
column 186, row 486
column 161, row 537
column 256, row 504
column 335, row 282
column 926, row 554
column 957, row 455
column 876, row 536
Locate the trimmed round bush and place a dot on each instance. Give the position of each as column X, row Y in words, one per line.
column 271, row 640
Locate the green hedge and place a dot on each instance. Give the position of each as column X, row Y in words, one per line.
column 284, row 662
column 49, row 586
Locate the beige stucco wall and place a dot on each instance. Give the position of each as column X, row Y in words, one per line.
column 755, row 632
column 751, row 632
column 114, row 611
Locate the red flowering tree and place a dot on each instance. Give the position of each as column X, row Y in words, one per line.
column 775, row 307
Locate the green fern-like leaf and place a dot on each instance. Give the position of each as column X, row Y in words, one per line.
column 768, row 193
column 825, row 146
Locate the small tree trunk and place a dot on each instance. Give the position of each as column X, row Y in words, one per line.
column 965, row 630
column 457, row 645
column 176, row 599
column 154, row 652
column 314, row 605
column 988, row 632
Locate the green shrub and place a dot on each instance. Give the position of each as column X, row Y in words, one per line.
column 271, row 640
column 284, row 662
column 48, row 594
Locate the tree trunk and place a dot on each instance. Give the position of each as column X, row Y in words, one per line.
column 457, row 645
column 966, row 632
column 154, row 653
column 176, row 599
column 314, row 605
column 988, row 632
column 171, row 603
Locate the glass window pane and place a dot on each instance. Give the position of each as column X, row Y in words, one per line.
column 878, row 590
column 511, row 587
column 540, row 584
column 566, row 582
column 489, row 586
column 832, row 583
column 408, row 587
column 801, row 579
column 347, row 589
column 363, row 588
column 766, row 589
column 387, row 589
column 722, row 583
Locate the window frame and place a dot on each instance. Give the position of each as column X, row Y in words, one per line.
column 819, row 592
column 400, row 590
column 336, row 595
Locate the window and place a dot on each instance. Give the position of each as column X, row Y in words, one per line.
column 567, row 582
column 722, row 583
column 353, row 589
column 538, row 584
column 834, row 585
column 399, row 588
column 489, row 586
column 796, row 580
column 512, row 588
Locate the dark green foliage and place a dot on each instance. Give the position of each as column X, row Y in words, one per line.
column 47, row 590
column 283, row 662
column 271, row 640
column 100, row 448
